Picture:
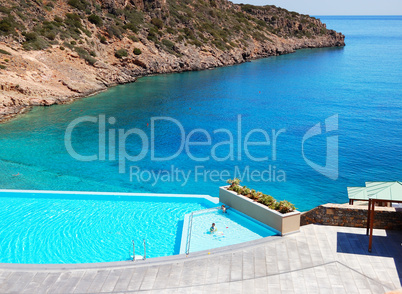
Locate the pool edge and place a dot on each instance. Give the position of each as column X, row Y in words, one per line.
column 212, row 199
column 138, row 263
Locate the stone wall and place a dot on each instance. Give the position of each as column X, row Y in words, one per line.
column 352, row 216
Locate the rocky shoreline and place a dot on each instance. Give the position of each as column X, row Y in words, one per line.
column 19, row 95
column 70, row 53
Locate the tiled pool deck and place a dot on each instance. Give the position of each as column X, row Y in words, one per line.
column 319, row 259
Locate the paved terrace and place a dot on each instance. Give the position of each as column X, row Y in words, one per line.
column 319, row 259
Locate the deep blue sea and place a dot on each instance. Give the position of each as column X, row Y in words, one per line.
column 359, row 86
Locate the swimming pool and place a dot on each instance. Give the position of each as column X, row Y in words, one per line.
column 39, row 227
column 232, row 228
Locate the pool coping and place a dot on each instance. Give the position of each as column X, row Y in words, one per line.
column 138, row 263
column 214, row 200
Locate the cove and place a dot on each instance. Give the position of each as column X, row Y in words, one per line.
column 359, row 83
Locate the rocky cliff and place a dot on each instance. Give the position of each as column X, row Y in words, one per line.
column 53, row 51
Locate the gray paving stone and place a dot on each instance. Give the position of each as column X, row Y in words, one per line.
column 85, row 281
column 199, row 273
column 236, row 270
column 98, row 280
column 260, row 265
column 149, row 278
column 59, row 283
column 162, row 278
column 212, row 271
column 248, row 265
column 223, row 288
column 224, row 268
column 236, row 287
column 34, row 284
column 136, row 279
column 124, row 279
column 319, row 259
column 197, row 290
column 12, row 279
column 274, row 289
column 48, row 282
column 175, row 274
column 111, row 281
column 248, row 286
column 261, row 285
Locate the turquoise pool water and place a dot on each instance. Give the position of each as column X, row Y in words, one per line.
column 232, row 228
column 52, row 228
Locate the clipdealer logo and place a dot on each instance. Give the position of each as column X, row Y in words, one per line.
column 113, row 142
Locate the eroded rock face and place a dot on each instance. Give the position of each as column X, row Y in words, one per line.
column 112, row 5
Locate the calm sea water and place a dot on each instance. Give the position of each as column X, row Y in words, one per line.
column 361, row 83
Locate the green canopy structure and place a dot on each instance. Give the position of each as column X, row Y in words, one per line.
column 375, row 192
column 391, row 191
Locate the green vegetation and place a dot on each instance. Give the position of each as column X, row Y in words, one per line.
column 84, row 54
column 4, row 52
column 169, row 44
column 34, row 42
column 133, row 38
column 281, row 206
column 157, row 22
column 79, row 4
column 137, row 51
column 49, row 6
column 152, row 36
column 121, row 53
column 190, row 22
column 3, row 66
column 103, row 39
column 115, row 31
column 8, row 24
column 95, row 19
column 267, row 200
column 73, row 27
column 58, row 19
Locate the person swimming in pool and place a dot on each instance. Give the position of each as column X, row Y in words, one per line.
column 223, row 207
column 212, row 228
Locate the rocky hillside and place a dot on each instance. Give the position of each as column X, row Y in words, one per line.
column 52, row 51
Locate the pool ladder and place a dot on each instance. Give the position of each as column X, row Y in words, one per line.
column 145, row 250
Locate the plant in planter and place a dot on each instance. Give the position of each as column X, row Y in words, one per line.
column 254, row 195
column 246, row 191
column 286, row 206
column 267, row 200
column 233, row 183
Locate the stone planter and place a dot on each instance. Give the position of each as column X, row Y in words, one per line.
column 284, row 223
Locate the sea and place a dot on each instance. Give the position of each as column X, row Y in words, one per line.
column 301, row 127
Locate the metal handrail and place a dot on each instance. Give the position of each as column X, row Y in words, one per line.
column 190, row 225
